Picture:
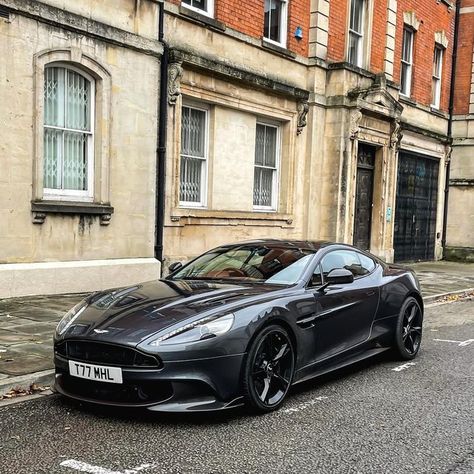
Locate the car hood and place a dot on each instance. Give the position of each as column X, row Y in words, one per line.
column 131, row 315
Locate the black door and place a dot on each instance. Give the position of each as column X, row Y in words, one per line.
column 415, row 212
column 364, row 194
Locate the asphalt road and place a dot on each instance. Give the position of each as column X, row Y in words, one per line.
column 378, row 417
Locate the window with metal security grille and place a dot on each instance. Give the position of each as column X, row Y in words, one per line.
column 205, row 7
column 193, row 166
column 267, row 151
column 68, row 134
column 355, row 53
column 437, row 71
column 275, row 21
column 407, row 62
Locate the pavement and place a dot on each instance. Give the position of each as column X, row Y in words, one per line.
column 380, row 416
column 27, row 324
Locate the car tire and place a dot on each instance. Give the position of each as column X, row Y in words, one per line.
column 408, row 331
column 269, row 369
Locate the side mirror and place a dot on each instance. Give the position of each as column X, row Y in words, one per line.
column 175, row 266
column 339, row 276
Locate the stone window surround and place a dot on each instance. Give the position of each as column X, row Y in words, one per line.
column 100, row 205
column 284, row 215
column 410, row 19
column 367, row 40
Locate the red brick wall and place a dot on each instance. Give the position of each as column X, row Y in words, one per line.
column 464, row 61
column 433, row 17
column 247, row 17
column 298, row 15
column 379, row 33
column 244, row 16
column 337, row 30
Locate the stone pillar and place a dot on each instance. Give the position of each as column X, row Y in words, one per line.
column 318, row 30
column 390, row 38
column 471, row 101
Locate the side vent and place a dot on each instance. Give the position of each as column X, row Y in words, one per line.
column 4, row 12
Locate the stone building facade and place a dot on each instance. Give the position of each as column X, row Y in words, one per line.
column 78, row 95
column 301, row 119
column 460, row 225
column 361, row 158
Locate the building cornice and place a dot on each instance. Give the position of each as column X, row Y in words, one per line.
column 56, row 17
column 194, row 60
column 443, row 138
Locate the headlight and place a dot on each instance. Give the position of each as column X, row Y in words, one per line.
column 202, row 329
column 69, row 317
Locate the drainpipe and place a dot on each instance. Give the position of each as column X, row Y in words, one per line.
column 450, row 121
column 161, row 149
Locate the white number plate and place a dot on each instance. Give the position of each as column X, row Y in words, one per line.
column 95, row 372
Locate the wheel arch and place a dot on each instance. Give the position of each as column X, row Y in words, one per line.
column 418, row 298
column 275, row 321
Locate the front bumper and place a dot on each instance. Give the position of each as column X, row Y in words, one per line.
column 179, row 386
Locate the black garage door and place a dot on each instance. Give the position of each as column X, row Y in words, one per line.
column 415, row 213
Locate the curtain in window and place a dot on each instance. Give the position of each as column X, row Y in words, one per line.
column 67, row 129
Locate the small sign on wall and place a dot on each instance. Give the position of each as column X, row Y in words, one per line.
column 389, row 214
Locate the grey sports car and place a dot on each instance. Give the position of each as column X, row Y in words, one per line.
column 238, row 325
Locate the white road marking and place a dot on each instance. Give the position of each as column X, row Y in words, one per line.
column 85, row 467
column 142, row 467
column 304, row 405
column 403, row 366
column 459, row 343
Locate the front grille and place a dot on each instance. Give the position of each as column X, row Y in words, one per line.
column 105, row 353
column 139, row 393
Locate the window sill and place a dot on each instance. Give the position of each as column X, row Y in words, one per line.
column 438, row 112
column 350, row 67
column 407, row 100
column 201, row 18
column 182, row 217
column 41, row 208
column 278, row 49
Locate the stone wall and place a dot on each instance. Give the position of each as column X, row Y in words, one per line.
column 126, row 126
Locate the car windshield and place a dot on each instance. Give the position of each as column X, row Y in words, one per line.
column 272, row 264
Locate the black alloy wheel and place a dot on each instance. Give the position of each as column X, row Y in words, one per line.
column 409, row 329
column 269, row 369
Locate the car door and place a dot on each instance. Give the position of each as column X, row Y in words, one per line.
column 343, row 313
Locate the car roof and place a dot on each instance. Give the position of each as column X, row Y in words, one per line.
column 301, row 244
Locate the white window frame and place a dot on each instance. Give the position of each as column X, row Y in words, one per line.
column 276, row 175
column 205, row 160
column 283, row 26
column 406, row 92
column 209, row 12
column 437, row 75
column 71, row 194
column 361, row 50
